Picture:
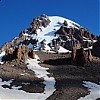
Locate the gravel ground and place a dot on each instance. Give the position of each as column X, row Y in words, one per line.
column 68, row 77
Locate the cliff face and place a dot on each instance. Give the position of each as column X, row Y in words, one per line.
column 20, row 53
column 75, row 37
column 80, row 57
column 96, row 48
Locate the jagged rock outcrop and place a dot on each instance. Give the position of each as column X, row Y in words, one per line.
column 65, row 23
column 37, row 23
column 65, row 34
column 75, row 36
column 96, row 48
column 14, row 42
column 43, row 43
column 80, row 57
column 20, row 53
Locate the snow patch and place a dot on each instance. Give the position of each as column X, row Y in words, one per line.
column 63, row 50
column 1, row 55
column 88, row 48
column 88, row 40
column 94, row 91
column 40, row 72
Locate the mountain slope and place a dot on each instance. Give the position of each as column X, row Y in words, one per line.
column 51, row 34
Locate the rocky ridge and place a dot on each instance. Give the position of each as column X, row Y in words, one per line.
column 69, row 36
column 37, row 23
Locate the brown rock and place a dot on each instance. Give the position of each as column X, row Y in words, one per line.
column 20, row 53
column 73, row 55
column 96, row 48
column 38, row 22
column 65, row 23
column 80, row 57
column 31, row 54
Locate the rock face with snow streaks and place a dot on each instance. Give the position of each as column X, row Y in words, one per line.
column 74, row 36
column 66, row 33
column 96, row 48
column 25, row 36
column 52, row 34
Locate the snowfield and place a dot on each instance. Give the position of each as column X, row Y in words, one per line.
column 94, row 91
column 40, row 72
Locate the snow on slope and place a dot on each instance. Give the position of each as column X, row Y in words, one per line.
column 55, row 24
column 1, row 55
column 14, row 93
column 63, row 50
column 94, row 91
column 48, row 32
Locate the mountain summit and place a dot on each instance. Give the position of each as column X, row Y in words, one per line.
column 52, row 33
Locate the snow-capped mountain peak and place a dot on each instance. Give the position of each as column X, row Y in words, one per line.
column 52, row 32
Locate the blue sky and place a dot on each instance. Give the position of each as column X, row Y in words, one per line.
column 16, row 15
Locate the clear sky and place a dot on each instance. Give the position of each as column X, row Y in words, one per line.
column 16, row 15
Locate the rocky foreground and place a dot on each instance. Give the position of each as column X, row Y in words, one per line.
column 69, row 78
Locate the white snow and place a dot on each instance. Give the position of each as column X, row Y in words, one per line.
column 88, row 48
column 63, row 50
column 48, row 32
column 36, row 57
column 90, row 41
column 94, row 91
column 1, row 55
column 22, row 74
column 40, row 72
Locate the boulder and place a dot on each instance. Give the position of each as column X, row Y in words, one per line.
column 80, row 57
